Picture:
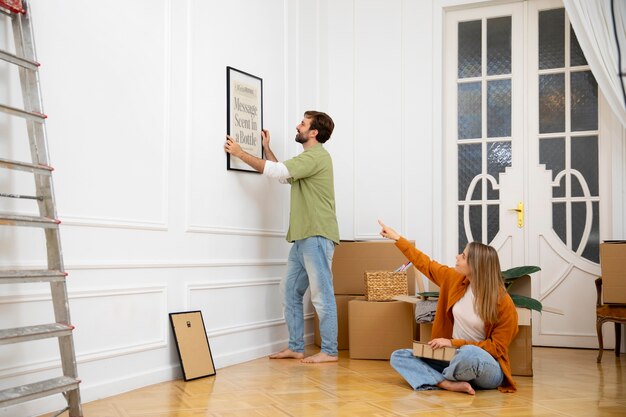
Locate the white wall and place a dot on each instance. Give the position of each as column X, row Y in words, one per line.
column 379, row 55
column 152, row 221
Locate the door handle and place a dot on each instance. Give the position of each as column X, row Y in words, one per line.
column 520, row 214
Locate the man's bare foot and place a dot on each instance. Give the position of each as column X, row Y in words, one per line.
column 319, row 358
column 457, row 386
column 287, row 354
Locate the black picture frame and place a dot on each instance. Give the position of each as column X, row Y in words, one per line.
column 244, row 115
column 192, row 344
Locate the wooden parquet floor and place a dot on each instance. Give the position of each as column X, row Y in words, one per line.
column 566, row 382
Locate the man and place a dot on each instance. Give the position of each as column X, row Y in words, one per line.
column 312, row 229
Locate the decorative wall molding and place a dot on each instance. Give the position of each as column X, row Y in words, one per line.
column 252, row 326
column 593, row 336
column 192, row 228
column 231, row 284
column 246, row 327
column 106, row 222
column 359, row 236
column 94, row 355
column 239, row 328
column 114, row 223
column 102, row 292
column 163, row 168
column 151, row 264
column 191, row 287
column 361, row 63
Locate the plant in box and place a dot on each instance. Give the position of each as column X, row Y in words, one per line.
column 510, row 276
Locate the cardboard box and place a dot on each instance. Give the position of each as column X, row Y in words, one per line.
column 352, row 259
column 376, row 329
column 342, row 321
column 520, row 349
column 426, row 331
column 613, row 266
column 521, row 352
column 423, row 350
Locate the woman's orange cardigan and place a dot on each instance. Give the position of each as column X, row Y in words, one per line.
column 452, row 287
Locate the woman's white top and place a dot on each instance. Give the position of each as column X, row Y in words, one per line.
column 467, row 324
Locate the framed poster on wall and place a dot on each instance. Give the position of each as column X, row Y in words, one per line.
column 244, row 97
column 192, row 345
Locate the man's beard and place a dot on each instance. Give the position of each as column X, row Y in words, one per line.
column 300, row 138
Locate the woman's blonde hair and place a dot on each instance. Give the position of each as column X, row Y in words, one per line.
column 487, row 280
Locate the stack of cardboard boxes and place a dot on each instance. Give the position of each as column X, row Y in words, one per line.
column 369, row 329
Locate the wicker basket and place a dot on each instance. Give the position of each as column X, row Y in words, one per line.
column 384, row 285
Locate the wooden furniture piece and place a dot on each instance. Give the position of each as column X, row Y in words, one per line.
column 608, row 312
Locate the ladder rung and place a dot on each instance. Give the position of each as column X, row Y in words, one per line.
column 40, row 331
column 26, row 166
column 17, row 60
column 31, row 275
column 11, row 220
column 23, row 113
column 21, row 196
column 36, row 390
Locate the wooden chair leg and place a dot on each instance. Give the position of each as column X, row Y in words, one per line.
column 600, row 344
column 618, row 338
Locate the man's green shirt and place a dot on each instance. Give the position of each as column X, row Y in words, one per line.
column 312, row 196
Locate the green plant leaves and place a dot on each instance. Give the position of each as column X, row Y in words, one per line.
column 519, row 271
column 526, row 302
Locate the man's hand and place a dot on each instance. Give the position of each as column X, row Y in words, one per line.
column 233, row 147
column 269, row 155
column 265, row 134
column 388, row 232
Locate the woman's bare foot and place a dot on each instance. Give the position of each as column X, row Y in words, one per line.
column 319, row 358
column 287, row 354
column 457, row 386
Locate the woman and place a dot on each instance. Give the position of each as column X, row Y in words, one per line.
column 474, row 314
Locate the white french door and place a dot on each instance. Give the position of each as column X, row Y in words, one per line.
column 524, row 141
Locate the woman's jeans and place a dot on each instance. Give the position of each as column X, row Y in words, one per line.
column 471, row 364
column 309, row 264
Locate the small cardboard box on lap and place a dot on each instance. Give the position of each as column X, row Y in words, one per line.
column 423, row 350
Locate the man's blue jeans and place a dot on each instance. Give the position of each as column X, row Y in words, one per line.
column 471, row 364
column 309, row 264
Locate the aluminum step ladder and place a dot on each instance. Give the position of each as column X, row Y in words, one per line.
column 16, row 14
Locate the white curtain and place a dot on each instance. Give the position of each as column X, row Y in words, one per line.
column 593, row 24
